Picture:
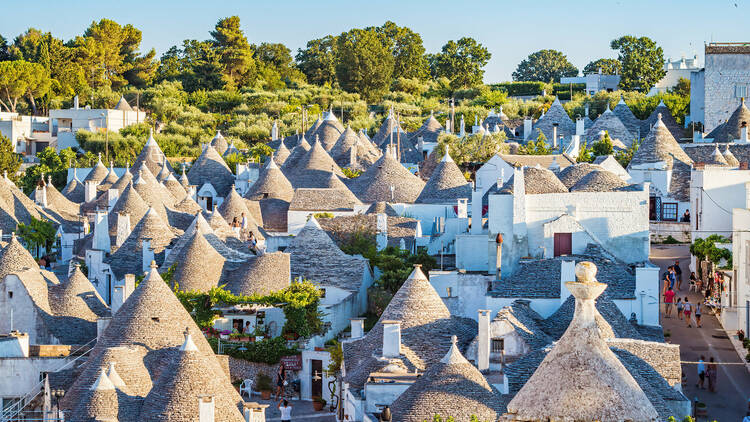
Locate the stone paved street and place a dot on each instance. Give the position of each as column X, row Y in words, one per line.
column 729, row 402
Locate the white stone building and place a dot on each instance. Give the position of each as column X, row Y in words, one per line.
column 676, row 70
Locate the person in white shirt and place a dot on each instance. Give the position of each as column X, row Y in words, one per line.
column 286, row 411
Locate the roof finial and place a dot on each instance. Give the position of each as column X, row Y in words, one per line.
column 658, row 117
column 153, row 264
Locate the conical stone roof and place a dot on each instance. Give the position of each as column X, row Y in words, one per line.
column 174, row 396
column 314, row 128
column 626, row 116
column 151, row 156
column 313, row 169
column 730, row 158
column 451, row 388
column 198, row 265
column 272, row 183
column 555, row 115
column 341, row 151
column 77, row 298
column 426, row 327
column 233, row 207
column 211, row 168
column 74, row 191
column 123, row 105
column 14, row 257
column 666, row 118
column 123, row 181
column 429, row 131
column 731, row 130
column 374, row 185
column 597, row 386
column 175, row 187
column 110, row 180
column 389, row 125
column 446, row 185
column 98, row 173
column 599, row 181
column 610, row 123
column 716, row 158
column 101, row 403
column 660, row 145
column 281, row 154
column 128, row 258
column 329, row 131
column 129, row 202
column 261, row 275
column 296, row 154
column 571, row 175
column 219, row 143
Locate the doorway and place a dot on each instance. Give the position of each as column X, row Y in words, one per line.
column 317, row 378
column 563, row 244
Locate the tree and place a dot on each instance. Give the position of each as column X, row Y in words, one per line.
column 642, row 62
column 544, row 66
column 585, row 154
column 197, row 65
column 4, row 55
column 538, row 147
column 318, row 60
column 682, row 88
column 108, row 53
column 364, row 64
column 407, row 49
column 235, row 55
column 624, row 156
column 19, row 78
column 462, row 62
column 10, row 162
column 608, row 67
column 603, row 146
column 37, row 234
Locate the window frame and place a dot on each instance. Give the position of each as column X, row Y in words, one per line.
column 665, row 206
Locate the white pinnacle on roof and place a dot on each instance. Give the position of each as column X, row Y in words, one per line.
column 151, row 142
column 454, row 356
column 313, row 222
column 103, row 382
column 622, row 100
column 139, row 178
column 188, row 345
column 114, row 377
column 716, row 152
column 661, row 104
column 447, row 157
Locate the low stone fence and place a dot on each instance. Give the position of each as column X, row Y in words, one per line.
column 661, row 230
column 240, row 369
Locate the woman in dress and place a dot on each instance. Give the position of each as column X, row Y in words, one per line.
column 711, row 372
column 280, row 381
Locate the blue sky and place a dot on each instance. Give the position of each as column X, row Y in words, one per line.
column 509, row 29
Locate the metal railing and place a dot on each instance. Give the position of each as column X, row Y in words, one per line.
column 12, row 412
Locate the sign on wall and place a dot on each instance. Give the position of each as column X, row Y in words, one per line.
column 293, row 362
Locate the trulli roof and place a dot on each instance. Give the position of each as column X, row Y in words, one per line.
column 211, row 168
column 446, row 185
column 375, row 184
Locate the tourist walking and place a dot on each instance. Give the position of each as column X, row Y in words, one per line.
column 711, row 373
column 280, row 381
column 668, row 301
column 678, row 273
column 672, row 277
column 701, row 372
column 686, row 309
column 243, row 227
column 693, row 280
column 679, row 307
column 286, row 411
column 698, row 314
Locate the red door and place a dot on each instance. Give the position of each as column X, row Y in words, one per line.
column 563, row 244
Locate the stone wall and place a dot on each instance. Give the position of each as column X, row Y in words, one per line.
column 660, row 230
column 240, row 369
column 663, row 357
column 723, row 73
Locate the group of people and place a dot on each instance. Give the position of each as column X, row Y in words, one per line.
column 240, row 226
column 707, row 371
column 672, row 284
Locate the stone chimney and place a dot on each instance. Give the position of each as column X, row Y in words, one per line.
column 148, row 255
column 527, row 127
column 76, row 103
column 462, row 133
column 89, row 190
column 462, row 208
column 580, row 126
column 743, row 165
column 483, row 341
column 391, row 339
column 697, row 136
column 101, row 326
column 586, row 110
column 112, row 196
column 476, row 210
column 358, row 327
column 554, row 135
column 382, row 231
column 192, row 191
column 255, row 412
column 567, row 273
column 40, row 196
column 101, row 231
column 122, row 292
column 206, row 408
column 123, row 228
column 420, row 144
column 743, row 133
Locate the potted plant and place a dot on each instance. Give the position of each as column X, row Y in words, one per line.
column 318, row 403
column 263, row 382
column 224, row 335
column 701, row 409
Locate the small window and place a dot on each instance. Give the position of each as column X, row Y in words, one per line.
column 669, row 211
column 647, row 176
column 10, row 295
column 155, row 319
column 322, row 293
column 498, row 345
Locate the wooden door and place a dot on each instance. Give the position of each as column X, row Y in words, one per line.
column 563, row 244
column 317, row 378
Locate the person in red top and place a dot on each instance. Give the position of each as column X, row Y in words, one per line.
column 668, row 301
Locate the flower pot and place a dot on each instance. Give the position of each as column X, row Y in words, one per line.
column 265, row 394
column 245, row 339
column 320, row 349
column 318, row 406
